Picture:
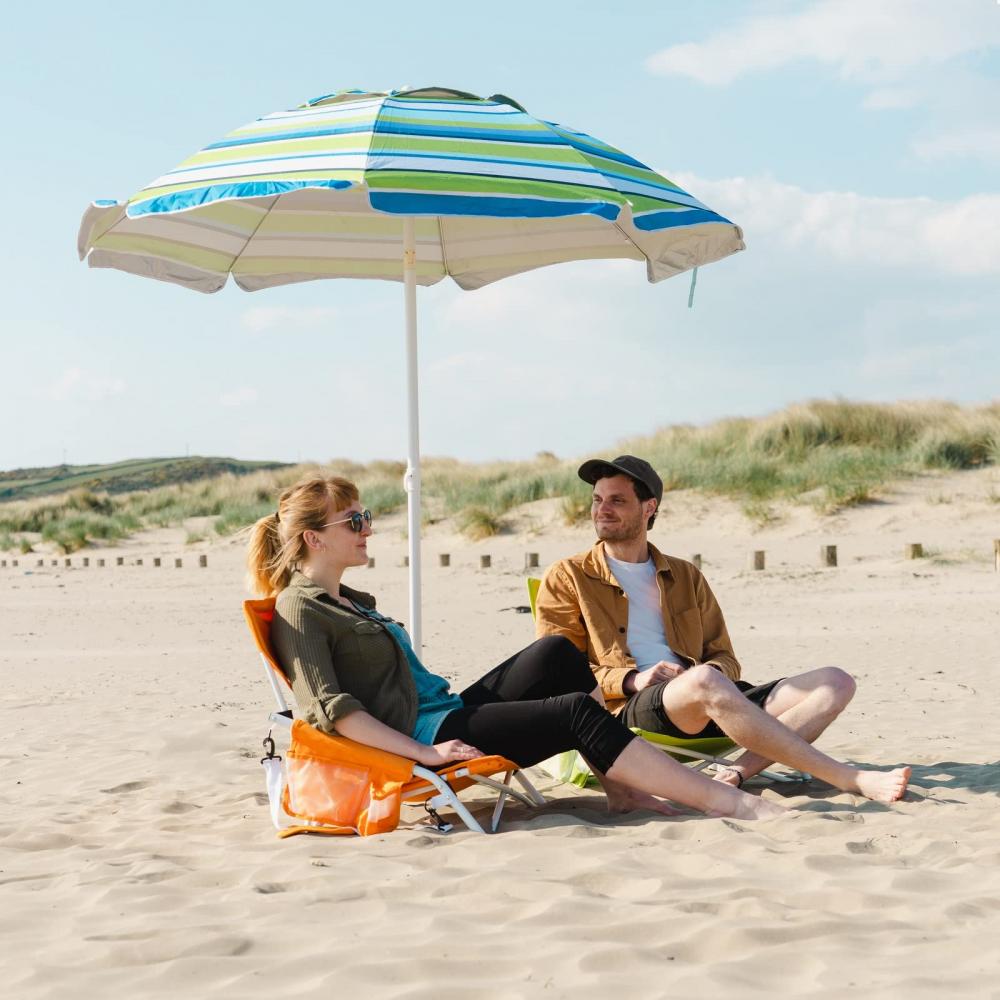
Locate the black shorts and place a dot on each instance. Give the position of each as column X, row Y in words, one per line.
column 644, row 710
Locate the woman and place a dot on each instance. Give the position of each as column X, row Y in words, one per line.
column 354, row 672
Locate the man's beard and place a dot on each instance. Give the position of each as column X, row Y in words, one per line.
column 627, row 529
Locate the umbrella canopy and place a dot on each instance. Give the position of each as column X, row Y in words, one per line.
column 403, row 185
column 317, row 192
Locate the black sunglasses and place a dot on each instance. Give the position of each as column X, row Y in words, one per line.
column 358, row 520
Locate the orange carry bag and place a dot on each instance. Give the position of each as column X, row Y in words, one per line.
column 336, row 786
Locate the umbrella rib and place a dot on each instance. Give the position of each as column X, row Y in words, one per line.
column 444, row 252
column 263, row 217
column 629, row 239
column 581, row 157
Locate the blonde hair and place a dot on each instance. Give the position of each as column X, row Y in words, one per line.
column 276, row 544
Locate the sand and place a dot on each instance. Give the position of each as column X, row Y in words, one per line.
column 138, row 859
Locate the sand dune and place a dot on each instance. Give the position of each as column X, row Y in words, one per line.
column 137, row 856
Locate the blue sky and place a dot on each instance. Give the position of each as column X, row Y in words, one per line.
column 855, row 141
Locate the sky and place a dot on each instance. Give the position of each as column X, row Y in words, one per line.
column 856, row 142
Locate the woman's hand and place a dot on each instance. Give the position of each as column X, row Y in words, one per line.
column 444, row 753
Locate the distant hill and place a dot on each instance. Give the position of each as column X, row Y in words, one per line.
column 121, row 477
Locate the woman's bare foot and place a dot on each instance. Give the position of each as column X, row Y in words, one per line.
column 884, row 786
column 740, row 805
column 624, row 800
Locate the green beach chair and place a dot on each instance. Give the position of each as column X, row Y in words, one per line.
column 699, row 753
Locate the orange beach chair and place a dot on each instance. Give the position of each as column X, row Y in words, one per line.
column 333, row 785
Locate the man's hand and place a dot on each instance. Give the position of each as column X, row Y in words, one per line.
column 659, row 673
column 444, row 753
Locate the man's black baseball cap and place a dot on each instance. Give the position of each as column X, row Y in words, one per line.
column 628, row 465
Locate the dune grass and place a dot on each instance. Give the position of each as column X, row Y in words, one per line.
column 833, row 454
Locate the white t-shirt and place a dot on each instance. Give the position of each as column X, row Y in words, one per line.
column 647, row 640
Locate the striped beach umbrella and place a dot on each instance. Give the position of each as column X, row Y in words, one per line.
column 409, row 186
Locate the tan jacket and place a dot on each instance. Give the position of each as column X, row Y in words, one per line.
column 581, row 600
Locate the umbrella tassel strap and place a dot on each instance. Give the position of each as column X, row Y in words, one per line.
column 694, row 281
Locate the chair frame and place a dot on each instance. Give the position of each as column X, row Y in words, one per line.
column 430, row 789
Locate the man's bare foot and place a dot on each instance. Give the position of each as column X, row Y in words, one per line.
column 884, row 786
column 624, row 800
column 728, row 776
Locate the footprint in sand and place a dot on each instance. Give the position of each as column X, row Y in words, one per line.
column 422, row 841
column 862, row 847
column 128, row 786
column 29, row 878
column 176, row 808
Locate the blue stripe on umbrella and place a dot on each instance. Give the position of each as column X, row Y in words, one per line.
column 183, row 200
column 681, row 217
column 405, row 203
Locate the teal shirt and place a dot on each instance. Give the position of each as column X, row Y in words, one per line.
column 435, row 700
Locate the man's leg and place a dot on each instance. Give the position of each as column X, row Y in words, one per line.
column 702, row 694
column 806, row 704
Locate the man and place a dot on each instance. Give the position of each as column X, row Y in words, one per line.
column 659, row 647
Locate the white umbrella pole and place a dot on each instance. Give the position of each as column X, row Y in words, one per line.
column 411, row 482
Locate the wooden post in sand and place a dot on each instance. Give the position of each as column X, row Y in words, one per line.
column 3, row 563
column 913, row 550
column 996, row 555
column 40, row 563
column 86, row 561
column 55, row 562
column 406, row 561
column 68, row 563
column 371, row 561
column 156, row 561
column 696, row 560
column 138, row 562
column 531, row 560
column 757, row 559
column 485, row 562
column 203, row 561
column 120, row 561
column 100, row 564
column 14, row 563
column 828, row 555
column 178, row 563
column 444, row 559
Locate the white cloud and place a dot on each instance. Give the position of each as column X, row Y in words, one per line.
column 862, row 39
column 79, row 384
column 261, row 319
column 974, row 143
column 960, row 237
column 891, row 99
column 239, row 397
column 922, row 345
column 561, row 298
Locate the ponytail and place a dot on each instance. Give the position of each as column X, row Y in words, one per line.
column 265, row 574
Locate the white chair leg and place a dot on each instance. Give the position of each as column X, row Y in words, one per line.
column 447, row 795
column 536, row 797
column 503, row 788
column 498, row 808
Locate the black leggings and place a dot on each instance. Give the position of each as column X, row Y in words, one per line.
column 535, row 705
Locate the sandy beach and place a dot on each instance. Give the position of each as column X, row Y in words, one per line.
column 138, row 858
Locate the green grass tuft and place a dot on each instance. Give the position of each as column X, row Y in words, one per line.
column 478, row 523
